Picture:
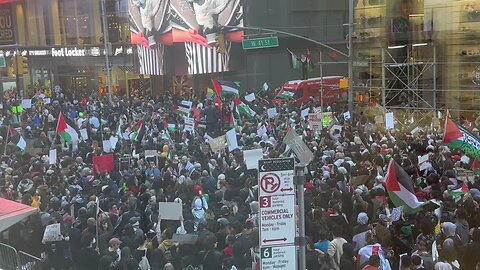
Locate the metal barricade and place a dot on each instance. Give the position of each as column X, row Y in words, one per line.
column 8, row 257
column 28, row 261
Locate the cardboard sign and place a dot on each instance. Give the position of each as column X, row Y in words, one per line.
column 170, row 210
column 232, row 140
column 298, row 147
column 52, row 233
column 252, row 157
column 218, row 144
column 272, row 112
column 52, row 157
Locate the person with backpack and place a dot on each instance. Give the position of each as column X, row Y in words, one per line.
column 168, row 248
column 141, row 254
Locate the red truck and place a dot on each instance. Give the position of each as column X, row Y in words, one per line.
column 303, row 90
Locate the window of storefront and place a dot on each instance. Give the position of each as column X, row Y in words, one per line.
column 75, row 19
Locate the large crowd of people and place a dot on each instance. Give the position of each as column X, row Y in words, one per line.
column 111, row 220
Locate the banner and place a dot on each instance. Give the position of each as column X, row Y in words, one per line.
column 103, row 164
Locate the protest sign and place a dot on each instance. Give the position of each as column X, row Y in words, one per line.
column 336, row 131
column 52, row 233
column 423, row 162
column 103, row 164
column 187, row 103
column 327, row 119
column 232, row 140
column 272, row 112
column 250, row 97
column 315, row 121
column 304, row 112
column 298, row 147
column 47, row 101
column 113, row 142
column 252, row 157
column 389, row 120
column 84, row 134
column 347, row 116
column 52, row 157
column 218, row 144
column 170, row 210
column 262, row 130
column 26, row 103
column 189, row 124
column 150, row 153
column 396, row 214
column 107, row 146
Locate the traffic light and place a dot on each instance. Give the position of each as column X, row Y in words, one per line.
column 220, row 43
column 19, row 64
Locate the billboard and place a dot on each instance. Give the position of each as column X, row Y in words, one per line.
column 183, row 35
column 7, row 27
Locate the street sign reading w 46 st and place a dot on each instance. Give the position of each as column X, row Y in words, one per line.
column 260, row 43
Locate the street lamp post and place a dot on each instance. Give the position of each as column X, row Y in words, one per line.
column 107, row 50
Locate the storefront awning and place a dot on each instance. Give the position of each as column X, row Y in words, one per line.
column 6, row 1
column 12, row 212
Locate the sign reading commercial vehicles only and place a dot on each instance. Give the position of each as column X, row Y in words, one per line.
column 277, row 214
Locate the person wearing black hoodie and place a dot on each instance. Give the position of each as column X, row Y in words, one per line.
column 347, row 261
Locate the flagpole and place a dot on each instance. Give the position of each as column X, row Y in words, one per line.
column 6, row 141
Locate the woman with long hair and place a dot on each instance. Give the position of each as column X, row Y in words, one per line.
column 127, row 262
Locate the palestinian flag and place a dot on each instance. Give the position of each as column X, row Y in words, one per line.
column 138, row 131
column 244, row 109
column 17, row 139
column 400, row 188
column 226, row 88
column 310, row 64
column 66, row 129
column 171, row 127
column 295, row 62
column 180, row 109
column 232, row 122
column 459, row 191
column 285, row 94
column 456, row 136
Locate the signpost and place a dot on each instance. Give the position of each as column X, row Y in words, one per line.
column 260, row 43
column 277, row 214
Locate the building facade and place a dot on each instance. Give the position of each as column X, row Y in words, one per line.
column 418, row 54
column 62, row 43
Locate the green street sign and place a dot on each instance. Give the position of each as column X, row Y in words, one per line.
column 260, row 43
column 2, row 61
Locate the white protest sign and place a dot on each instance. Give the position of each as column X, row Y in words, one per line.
column 189, row 124
column 150, row 153
column 52, row 157
column 423, row 162
column 232, row 140
column 262, row 130
column 84, row 134
column 170, row 210
column 336, row 131
column 347, row 116
column 107, row 146
column 396, row 213
column 52, row 233
column 26, row 103
column 389, row 120
column 250, row 97
column 47, row 101
column 315, row 121
column 252, row 157
column 218, row 144
column 113, row 141
column 304, row 112
column 272, row 112
column 187, row 103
